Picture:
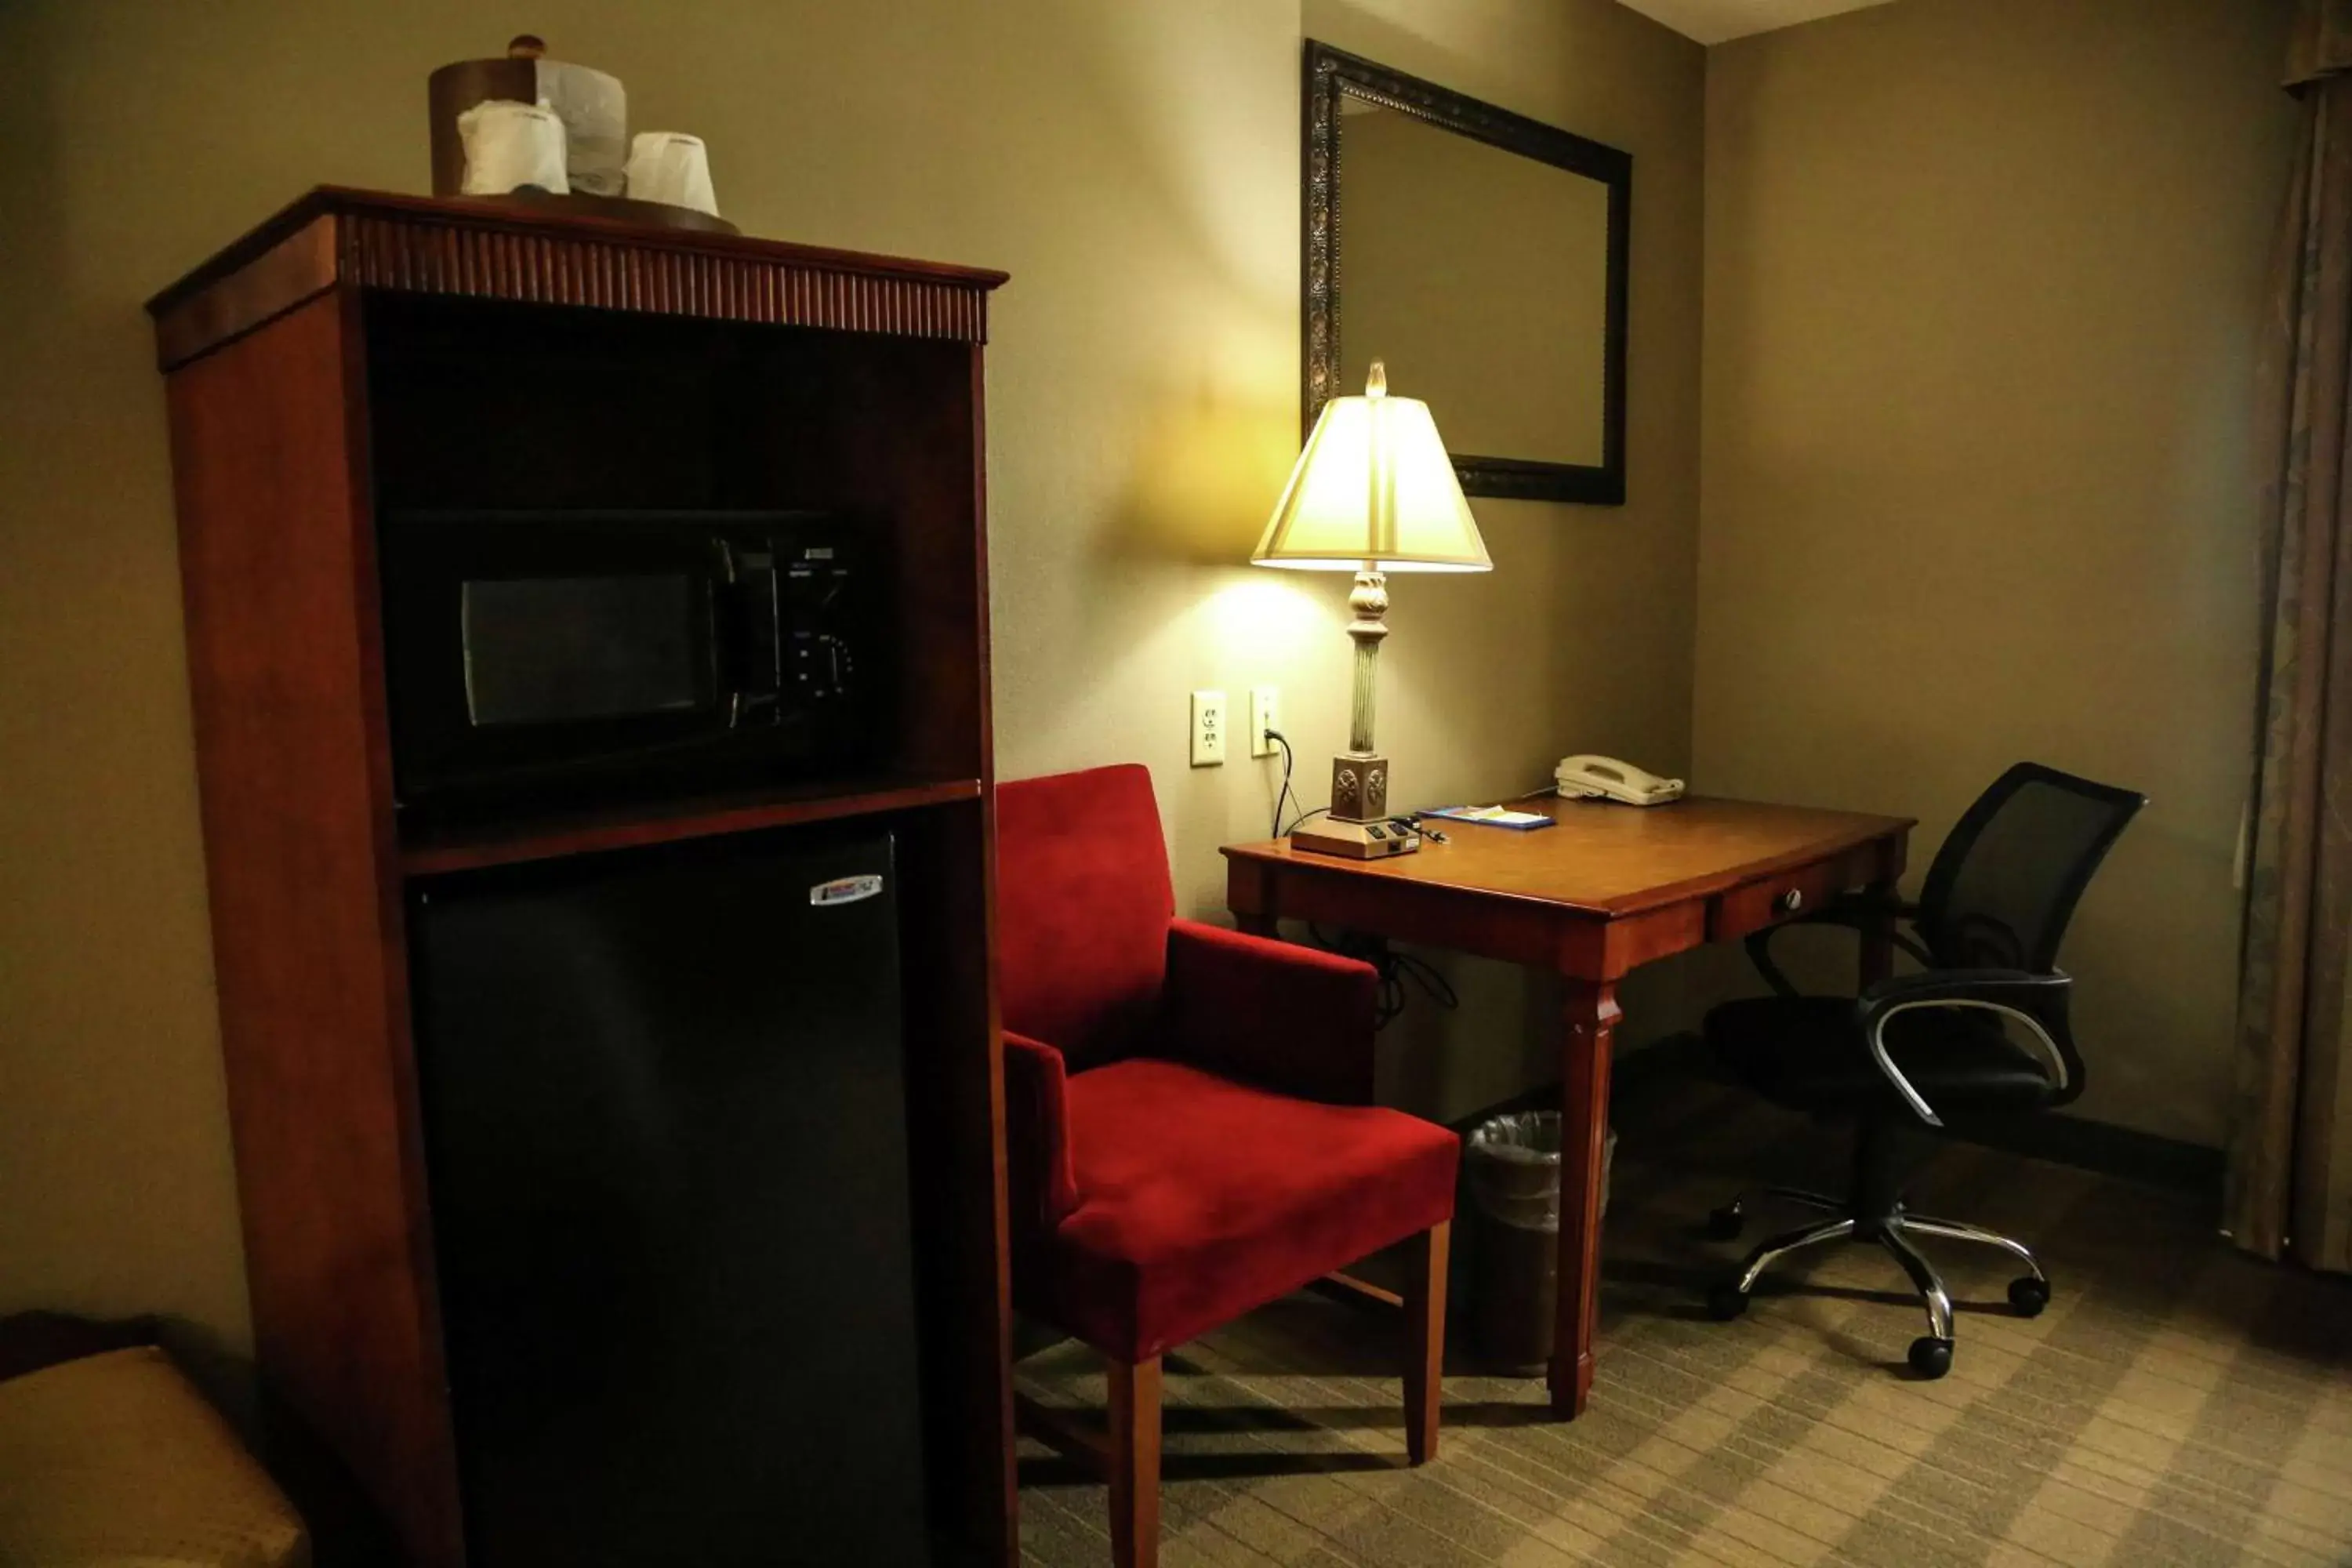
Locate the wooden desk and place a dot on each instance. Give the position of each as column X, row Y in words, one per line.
column 1609, row 888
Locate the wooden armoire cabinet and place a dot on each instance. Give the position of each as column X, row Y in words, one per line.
column 363, row 352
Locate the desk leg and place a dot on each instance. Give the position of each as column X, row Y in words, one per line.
column 1878, row 936
column 1591, row 1017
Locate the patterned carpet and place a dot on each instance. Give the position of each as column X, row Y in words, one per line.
column 2177, row 1403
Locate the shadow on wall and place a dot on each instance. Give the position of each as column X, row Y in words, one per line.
column 1208, row 471
column 90, row 815
column 1449, row 1065
column 1359, row 32
column 2170, row 1045
column 1145, row 67
column 35, row 191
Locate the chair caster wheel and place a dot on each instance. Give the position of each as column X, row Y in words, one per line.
column 1931, row 1358
column 2029, row 1296
column 1725, row 1302
column 1725, row 1223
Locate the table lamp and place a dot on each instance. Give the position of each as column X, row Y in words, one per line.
column 1373, row 492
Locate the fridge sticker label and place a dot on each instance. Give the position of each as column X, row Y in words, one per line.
column 844, row 891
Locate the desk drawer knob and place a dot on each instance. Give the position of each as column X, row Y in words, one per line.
column 1791, row 901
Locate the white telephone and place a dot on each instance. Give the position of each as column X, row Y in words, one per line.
column 1590, row 777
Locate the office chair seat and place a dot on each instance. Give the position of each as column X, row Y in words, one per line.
column 1802, row 1052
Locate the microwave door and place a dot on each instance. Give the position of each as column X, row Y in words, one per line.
column 522, row 650
column 747, row 624
column 556, row 651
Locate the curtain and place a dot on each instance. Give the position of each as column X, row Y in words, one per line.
column 2290, row 1170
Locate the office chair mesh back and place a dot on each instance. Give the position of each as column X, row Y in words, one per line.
column 2006, row 882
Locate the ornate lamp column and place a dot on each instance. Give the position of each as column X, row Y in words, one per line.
column 1359, row 776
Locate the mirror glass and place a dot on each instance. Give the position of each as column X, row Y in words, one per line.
column 1483, row 257
column 1481, row 279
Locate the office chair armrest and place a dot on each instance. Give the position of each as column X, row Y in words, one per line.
column 1290, row 1018
column 2036, row 1001
column 1858, row 911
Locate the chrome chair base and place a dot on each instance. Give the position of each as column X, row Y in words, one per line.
column 1931, row 1355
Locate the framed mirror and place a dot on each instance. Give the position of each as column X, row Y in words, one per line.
column 1482, row 255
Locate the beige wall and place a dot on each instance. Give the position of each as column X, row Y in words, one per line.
column 1983, row 282
column 1134, row 166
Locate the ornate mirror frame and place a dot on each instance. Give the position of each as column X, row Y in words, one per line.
column 1331, row 73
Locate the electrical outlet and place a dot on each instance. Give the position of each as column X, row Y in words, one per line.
column 1266, row 714
column 1207, row 729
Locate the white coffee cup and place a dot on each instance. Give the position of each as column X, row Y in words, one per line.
column 511, row 144
column 673, row 167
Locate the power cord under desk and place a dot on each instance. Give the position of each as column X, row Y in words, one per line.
column 1396, row 970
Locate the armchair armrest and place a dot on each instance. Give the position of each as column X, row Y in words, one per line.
column 1856, row 911
column 2037, row 1001
column 1291, row 1018
column 1042, row 1183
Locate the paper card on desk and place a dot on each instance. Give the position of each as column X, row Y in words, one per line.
column 1493, row 817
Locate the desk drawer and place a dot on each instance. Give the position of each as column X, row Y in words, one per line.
column 1752, row 906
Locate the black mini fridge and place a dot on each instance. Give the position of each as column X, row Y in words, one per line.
column 663, row 1104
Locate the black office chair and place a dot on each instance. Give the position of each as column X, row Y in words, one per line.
column 1932, row 1047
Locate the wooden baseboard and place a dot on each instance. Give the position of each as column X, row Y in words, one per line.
column 2110, row 1149
column 2107, row 1148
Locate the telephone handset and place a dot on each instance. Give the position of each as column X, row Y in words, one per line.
column 1590, row 777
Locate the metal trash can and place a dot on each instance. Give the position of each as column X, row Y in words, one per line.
column 1513, row 1166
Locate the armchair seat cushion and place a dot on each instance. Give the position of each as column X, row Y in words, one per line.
column 1202, row 1198
column 1804, row 1052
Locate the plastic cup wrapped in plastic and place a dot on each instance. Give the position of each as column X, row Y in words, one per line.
column 509, row 145
column 671, row 166
column 594, row 109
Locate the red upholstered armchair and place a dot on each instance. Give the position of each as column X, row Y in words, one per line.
column 1189, row 1118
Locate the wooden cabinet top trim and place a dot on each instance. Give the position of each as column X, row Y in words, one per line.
column 496, row 250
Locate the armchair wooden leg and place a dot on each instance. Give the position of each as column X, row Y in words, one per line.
column 1424, row 1316
column 1135, row 1464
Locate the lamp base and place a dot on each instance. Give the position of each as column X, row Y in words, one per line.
column 1359, row 788
column 1359, row 825
column 1356, row 840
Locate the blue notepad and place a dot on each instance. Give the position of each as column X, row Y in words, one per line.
column 1493, row 817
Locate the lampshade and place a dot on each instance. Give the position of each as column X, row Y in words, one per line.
column 1374, row 489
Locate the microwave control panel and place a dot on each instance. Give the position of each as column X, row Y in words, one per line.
column 794, row 633
column 819, row 652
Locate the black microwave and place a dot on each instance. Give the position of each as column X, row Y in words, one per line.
column 545, row 656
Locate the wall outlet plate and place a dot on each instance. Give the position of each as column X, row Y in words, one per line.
column 1266, row 714
column 1207, row 729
